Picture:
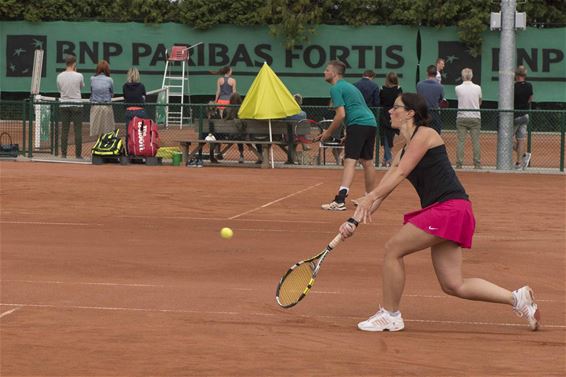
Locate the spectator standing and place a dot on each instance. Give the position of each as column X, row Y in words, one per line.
column 522, row 101
column 134, row 96
column 360, row 132
column 469, row 97
column 369, row 89
column 101, row 91
column 69, row 84
column 225, row 86
column 440, row 63
column 433, row 93
column 387, row 96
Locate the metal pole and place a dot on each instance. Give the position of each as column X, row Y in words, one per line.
column 24, row 125
column 562, row 140
column 30, row 128
column 506, row 85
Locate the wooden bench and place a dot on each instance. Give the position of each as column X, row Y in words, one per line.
column 250, row 132
column 188, row 154
column 247, row 128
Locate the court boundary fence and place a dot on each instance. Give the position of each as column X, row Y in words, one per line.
column 35, row 124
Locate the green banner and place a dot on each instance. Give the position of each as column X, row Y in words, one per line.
column 541, row 51
column 379, row 48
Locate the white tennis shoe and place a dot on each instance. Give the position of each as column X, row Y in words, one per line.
column 382, row 321
column 334, row 206
column 526, row 307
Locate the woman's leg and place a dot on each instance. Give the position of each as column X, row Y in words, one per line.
column 408, row 240
column 447, row 262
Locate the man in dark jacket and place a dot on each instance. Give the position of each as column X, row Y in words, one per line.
column 369, row 89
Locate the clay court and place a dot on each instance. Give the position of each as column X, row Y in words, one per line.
column 120, row 271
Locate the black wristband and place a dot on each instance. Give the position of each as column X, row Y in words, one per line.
column 353, row 221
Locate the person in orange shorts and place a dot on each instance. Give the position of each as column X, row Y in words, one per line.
column 225, row 86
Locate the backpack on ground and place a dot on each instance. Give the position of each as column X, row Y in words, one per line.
column 143, row 137
column 109, row 144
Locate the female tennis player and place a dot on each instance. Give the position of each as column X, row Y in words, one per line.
column 445, row 223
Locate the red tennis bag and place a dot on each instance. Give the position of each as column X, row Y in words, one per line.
column 143, row 138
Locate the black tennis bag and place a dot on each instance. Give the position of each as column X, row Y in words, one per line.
column 8, row 149
column 109, row 144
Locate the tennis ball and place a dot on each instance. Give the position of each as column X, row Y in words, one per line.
column 226, row 233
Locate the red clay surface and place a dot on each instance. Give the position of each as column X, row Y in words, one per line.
column 120, row 271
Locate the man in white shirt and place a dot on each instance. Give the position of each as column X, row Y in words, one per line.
column 70, row 83
column 469, row 98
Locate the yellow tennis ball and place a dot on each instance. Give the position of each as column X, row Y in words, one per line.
column 226, row 233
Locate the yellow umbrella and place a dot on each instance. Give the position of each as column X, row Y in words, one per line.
column 268, row 98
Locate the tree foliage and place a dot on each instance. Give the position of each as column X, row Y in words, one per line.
column 293, row 20
column 204, row 14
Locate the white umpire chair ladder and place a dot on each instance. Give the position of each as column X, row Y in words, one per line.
column 177, row 83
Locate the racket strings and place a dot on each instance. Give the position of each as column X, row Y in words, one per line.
column 296, row 283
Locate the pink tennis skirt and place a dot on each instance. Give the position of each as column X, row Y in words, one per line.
column 452, row 220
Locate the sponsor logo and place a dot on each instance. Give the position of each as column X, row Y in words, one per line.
column 19, row 54
column 456, row 58
column 142, row 132
column 431, row 228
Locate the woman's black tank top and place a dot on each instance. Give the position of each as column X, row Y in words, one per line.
column 434, row 178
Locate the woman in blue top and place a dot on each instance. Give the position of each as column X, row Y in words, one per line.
column 445, row 224
column 225, row 86
column 101, row 91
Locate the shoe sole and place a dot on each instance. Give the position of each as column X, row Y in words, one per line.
column 334, row 209
column 534, row 325
column 395, row 329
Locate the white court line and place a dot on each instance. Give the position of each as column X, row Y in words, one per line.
column 275, row 201
column 85, row 283
column 165, row 217
column 417, row 296
column 223, row 219
column 47, row 223
column 60, row 161
column 140, row 285
column 242, row 315
column 9, row 312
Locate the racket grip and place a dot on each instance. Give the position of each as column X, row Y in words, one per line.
column 335, row 241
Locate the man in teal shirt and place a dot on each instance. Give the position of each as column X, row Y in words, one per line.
column 361, row 128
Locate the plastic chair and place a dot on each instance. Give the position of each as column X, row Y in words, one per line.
column 334, row 143
column 178, row 54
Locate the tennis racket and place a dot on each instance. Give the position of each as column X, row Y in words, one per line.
column 298, row 281
column 306, row 131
